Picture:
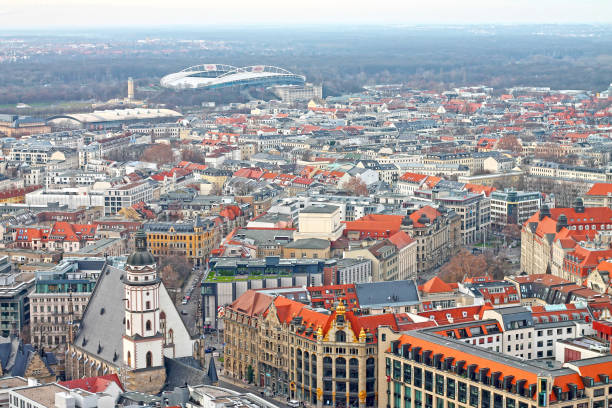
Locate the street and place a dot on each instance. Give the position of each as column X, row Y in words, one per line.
column 244, row 388
column 189, row 312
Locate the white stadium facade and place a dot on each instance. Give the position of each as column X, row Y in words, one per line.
column 212, row 76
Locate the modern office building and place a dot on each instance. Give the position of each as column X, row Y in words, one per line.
column 513, row 207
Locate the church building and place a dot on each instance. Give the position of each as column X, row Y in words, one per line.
column 131, row 328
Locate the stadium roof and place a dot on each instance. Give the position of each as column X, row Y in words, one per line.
column 113, row 115
column 210, row 76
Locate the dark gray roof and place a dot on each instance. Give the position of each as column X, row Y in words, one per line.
column 97, row 325
column 141, row 256
column 594, row 360
column 309, row 243
column 5, row 354
column 320, row 209
column 385, row 294
column 265, row 236
column 517, row 317
column 181, row 371
column 212, row 371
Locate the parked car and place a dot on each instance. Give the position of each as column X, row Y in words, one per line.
column 184, row 302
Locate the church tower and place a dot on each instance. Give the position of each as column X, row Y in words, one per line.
column 143, row 356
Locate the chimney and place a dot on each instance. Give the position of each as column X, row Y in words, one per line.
column 130, row 94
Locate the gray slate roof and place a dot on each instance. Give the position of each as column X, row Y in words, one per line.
column 309, row 243
column 104, row 328
column 385, row 294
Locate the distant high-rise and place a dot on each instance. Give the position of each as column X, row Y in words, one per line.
column 130, row 94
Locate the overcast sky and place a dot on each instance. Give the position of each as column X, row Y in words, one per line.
column 101, row 13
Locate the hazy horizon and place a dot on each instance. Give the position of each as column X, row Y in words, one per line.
column 28, row 15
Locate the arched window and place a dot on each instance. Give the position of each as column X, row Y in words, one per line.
column 149, row 359
column 129, row 359
column 162, row 326
column 148, row 325
column 341, row 367
column 340, row 336
column 128, row 325
column 170, row 336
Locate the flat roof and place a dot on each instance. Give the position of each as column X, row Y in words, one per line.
column 320, row 209
column 42, row 394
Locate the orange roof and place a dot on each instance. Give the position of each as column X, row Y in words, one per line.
column 400, row 239
column 429, row 211
column 600, row 189
column 252, row 303
column 432, row 181
column 413, row 177
column 93, row 384
column 435, row 285
column 376, row 222
column 470, row 358
column 477, row 188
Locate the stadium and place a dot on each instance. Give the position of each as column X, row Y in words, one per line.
column 212, row 76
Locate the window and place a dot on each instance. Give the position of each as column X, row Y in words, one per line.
column 407, row 373
column 340, row 336
column 485, row 401
column 473, row 396
column 129, row 358
column 439, row 384
column 450, row 388
column 418, row 377
column 407, row 397
column 148, row 325
column 149, row 359
column 462, row 392
column 428, row 380
column 418, row 398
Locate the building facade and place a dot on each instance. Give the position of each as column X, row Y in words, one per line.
column 513, row 207
column 322, row 359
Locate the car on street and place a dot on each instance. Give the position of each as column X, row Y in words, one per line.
column 184, row 302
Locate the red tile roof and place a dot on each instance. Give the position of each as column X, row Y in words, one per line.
column 413, row 177
column 93, row 384
column 435, row 285
column 400, row 239
column 600, row 189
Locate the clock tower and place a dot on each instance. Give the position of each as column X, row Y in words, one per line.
column 143, row 356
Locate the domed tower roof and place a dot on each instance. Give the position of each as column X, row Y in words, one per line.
column 141, row 256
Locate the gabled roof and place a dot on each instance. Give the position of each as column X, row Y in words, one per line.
column 413, row 177
column 252, row 303
column 400, row 239
column 600, row 189
column 93, row 384
column 436, row 285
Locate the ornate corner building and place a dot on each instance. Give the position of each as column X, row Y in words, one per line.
column 289, row 349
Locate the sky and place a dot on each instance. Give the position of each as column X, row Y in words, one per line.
column 32, row 14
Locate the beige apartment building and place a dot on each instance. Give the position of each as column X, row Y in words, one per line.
column 320, row 221
column 438, row 237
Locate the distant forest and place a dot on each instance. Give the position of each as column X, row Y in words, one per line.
column 560, row 57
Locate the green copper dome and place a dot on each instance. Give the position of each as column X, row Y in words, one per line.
column 141, row 256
